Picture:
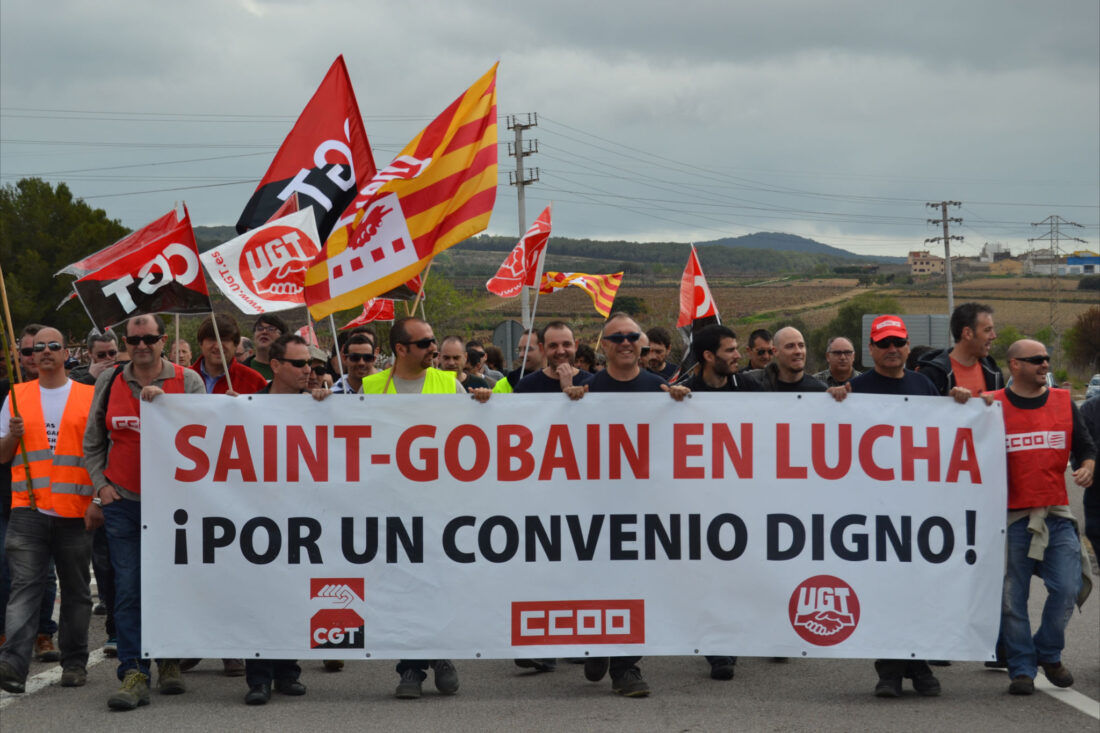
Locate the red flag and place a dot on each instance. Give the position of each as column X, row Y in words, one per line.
column 521, row 267
column 324, row 159
column 162, row 275
column 310, row 336
column 375, row 309
column 124, row 246
column 695, row 298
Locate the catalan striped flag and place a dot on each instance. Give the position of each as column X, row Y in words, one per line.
column 437, row 192
column 602, row 288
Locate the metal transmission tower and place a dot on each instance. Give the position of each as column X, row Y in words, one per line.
column 520, row 180
column 946, row 239
column 1054, row 237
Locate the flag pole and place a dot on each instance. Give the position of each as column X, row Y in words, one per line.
column 423, row 284
column 221, row 350
column 336, row 346
column 538, row 277
column 174, row 345
column 9, row 356
column 17, row 372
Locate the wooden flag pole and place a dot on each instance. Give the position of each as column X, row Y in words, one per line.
column 336, row 346
column 174, row 345
column 17, row 373
column 423, row 284
column 221, row 350
column 12, row 358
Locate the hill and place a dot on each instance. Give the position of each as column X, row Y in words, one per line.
column 793, row 243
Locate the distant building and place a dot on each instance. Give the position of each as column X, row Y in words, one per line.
column 993, row 252
column 924, row 263
column 1083, row 262
column 1043, row 262
column 1006, row 267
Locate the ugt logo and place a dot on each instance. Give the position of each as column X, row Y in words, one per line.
column 824, row 610
column 336, row 626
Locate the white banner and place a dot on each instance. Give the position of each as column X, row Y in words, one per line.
column 435, row 527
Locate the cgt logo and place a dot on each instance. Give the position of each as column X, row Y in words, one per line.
column 578, row 622
column 337, row 626
column 824, row 610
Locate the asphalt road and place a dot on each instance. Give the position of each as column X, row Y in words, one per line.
column 495, row 695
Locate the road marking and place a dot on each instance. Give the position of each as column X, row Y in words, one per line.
column 43, row 680
column 1073, row 698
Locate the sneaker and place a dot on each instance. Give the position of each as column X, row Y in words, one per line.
column 100, row 609
column 1021, row 685
column 233, row 667
column 446, row 676
column 926, row 685
column 409, row 686
column 595, row 668
column 133, row 693
column 44, row 650
column 888, row 687
column 1057, row 673
column 334, row 665
column 74, row 677
column 169, row 677
column 110, row 648
column 722, row 668
column 9, row 680
column 539, row 665
column 630, row 683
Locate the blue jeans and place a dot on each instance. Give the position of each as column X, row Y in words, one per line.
column 122, row 520
column 46, row 624
column 1060, row 570
column 32, row 540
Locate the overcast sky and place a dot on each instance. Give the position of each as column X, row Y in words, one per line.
column 657, row 120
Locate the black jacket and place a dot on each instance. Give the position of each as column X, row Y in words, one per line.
column 936, row 365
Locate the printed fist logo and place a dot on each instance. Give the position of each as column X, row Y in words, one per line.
column 824, row 610
column 336, row 625
column 274, row 263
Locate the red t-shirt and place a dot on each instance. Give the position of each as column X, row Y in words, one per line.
column 970, row 377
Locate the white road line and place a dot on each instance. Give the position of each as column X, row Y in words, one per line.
column 43, row 680
column 1074, row 699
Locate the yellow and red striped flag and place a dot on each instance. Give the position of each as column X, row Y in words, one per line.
column 602, row 288
column 437, row 192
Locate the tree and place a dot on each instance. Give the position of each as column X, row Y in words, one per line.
column 1080, row 340
column 43, row 229
column 849, row 323
column 631, row 304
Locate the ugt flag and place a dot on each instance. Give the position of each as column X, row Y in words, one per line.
column 438, row 191
column 523, row 263
column 161, row 274
column 323, row 159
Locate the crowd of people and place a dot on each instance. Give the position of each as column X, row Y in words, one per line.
column 72, row 483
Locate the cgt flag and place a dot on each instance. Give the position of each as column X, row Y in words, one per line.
column 375, row 309
column 602, row 288
column 161, row 274
column 438, row 191
column 262, row 271
column 522, row 266
column 695, row 299
column 323, row 159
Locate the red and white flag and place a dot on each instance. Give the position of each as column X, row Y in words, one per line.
column 524, row 262
column 263, row 271
column 696, row 301
column 310, row 336
column 375, row 309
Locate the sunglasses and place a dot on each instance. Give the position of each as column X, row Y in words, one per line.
column 368, row 358
column 891, row 342
column 319, row 371
column 765, row 352
column 842, row 353
column 421, row 344
column 296, row 363
column 26, row 350
column 1036, row 360
column 618, row 338
column 645, row 350
column 52, row 346
column 107, row 354
column 148, row 339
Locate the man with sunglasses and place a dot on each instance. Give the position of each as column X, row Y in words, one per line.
column 26, row 351
column 112, row 446
column 414, row 348
column 1043, row 429
column 102, row 353
column 51, row 502
column 967, row 370
column 358, row 357
column 761, row 350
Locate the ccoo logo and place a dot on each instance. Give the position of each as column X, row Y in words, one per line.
column 337, row 625
column 824, row 610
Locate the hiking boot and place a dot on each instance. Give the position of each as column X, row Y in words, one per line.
column 9, row 680
column 539, row 665
column 721, row 668
column 888, row 687
column 170, row 678
column 595, row 668
column 446, row 676
column 334, row 665
column 630, row 683
column 110, row 648
column 74, row 677
column 1021, row 685
column 1057, row 673
column 291, row 687
column 44, row 650
column 258, row 694
column 133, row 693
column 926, row 685
column 409, row 686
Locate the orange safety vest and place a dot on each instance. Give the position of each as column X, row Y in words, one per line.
column 58, row 477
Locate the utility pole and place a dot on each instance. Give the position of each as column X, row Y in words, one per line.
column 1054, row 236
column 519, row 179
column 946, row 239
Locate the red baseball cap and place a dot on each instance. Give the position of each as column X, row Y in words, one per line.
column 887, row 326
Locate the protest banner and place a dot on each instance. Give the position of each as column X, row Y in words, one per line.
column 425, row 526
